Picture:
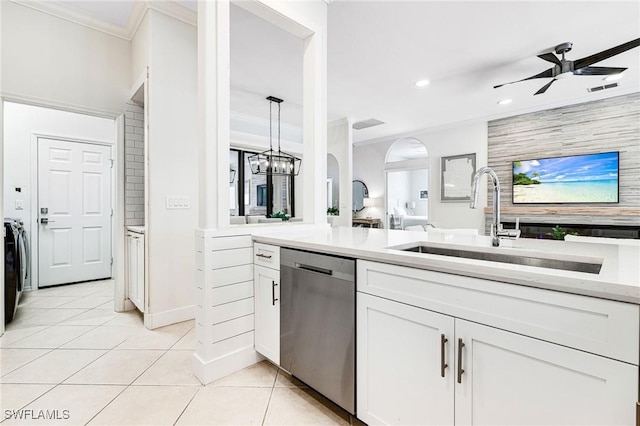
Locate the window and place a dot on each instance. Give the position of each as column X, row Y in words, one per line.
column 258, row 195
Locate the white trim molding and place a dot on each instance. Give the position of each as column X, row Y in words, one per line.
column 139, row 8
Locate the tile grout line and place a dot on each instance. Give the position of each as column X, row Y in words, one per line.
column 9, row 372
column 36, row 398
column 108, row 403
column 266, row 411
column 188, row 404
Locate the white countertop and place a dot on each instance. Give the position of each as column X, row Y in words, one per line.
column 619, row 277
column 138, row 229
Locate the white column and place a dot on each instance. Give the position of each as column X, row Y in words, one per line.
column 314, row 163
column 214, row 112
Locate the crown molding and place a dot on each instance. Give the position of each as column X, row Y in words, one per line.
column 174, row 10
column 20, row 98
column 249, row 124
column 138, row 10
column 75, row 15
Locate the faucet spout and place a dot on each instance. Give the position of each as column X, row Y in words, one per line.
column 496, row 226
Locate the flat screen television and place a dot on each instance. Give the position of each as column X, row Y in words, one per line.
column 590, row 178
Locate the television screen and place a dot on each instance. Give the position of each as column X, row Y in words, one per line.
column 591, row 178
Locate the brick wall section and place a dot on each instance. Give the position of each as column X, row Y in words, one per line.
column 134, row 163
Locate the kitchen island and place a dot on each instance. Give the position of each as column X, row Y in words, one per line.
column 454, row 340
column 618, row 279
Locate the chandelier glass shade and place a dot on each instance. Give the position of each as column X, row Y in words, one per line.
column 272, row 162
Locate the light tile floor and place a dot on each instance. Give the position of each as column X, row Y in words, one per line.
column 67, row 350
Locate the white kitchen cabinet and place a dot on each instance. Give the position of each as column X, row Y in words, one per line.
column 505, row 376
column 511, row 379
column 405, row 364
column 266, row 281
column 135, row 245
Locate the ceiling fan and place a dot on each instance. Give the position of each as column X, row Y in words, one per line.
column 564, row 68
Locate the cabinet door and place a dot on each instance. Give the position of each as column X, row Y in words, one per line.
column 136, row 270
column 140, row 281
column 132, row 267
column 511, row 379
column 399, row 364
column 267, row 312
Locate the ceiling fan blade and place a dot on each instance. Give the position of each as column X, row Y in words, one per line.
column 544, row 74
column 545, row 87
column 598, row 71
column 605, row 54
column 550, row 57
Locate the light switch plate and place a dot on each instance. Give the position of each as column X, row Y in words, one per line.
column 19, row 204
column 177, row 202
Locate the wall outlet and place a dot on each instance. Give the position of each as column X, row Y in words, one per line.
column 19, row 204
column 177, row 202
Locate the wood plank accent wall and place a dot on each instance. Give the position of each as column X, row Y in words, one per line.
column 611, row 124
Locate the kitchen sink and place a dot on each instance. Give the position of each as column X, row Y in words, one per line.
column 517, row 259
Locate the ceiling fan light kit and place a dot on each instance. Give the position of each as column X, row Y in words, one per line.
column 563, row 68
column 270, row 162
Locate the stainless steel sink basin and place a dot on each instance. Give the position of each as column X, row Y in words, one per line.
column 541, row 262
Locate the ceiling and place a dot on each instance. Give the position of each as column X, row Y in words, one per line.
column 377, row 50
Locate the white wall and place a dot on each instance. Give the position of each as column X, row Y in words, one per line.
column 21, row 122
column 50, row 61
column 368, row 166
column 172, row 168
column 419, row 181
column 340, row 145
column 399, row 187
column 140, row 51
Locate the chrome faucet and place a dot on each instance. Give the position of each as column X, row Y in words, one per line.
column 497, row 231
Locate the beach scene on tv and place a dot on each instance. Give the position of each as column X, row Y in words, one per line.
column 591, row 178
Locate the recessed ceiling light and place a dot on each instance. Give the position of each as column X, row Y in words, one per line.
column 505, row 101
column 422, row 83
column 614, row 77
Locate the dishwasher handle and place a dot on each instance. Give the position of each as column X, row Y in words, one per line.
column 313, row 269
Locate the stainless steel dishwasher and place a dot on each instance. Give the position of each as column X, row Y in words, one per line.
column 317, row 323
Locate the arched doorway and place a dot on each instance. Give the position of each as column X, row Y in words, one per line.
column 406, row 184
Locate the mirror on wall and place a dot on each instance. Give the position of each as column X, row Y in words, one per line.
column 360, row 192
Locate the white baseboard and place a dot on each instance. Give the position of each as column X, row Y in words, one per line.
column 208, row 371
column 127, row 305
column 173, row 316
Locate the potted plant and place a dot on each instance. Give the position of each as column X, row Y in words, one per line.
column 280, row 215
column 558, row 233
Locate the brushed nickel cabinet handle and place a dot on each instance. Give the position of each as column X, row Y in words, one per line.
column 266, row 256
column 460, row 370
column 273, row 293
column 443, row 364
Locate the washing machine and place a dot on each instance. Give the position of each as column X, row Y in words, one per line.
column 15, row 265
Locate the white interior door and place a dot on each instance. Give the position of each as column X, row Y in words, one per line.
column 74, row 212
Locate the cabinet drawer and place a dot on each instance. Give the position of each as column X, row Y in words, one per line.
column 266, row 255
column 603, row 327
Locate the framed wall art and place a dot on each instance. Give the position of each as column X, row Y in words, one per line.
column 456, row 175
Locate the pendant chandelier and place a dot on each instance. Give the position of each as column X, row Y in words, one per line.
column 275, row 163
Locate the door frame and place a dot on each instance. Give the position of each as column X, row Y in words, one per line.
column 35, row 233
column 400, row 168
